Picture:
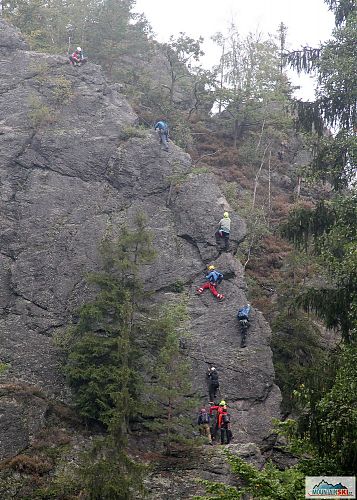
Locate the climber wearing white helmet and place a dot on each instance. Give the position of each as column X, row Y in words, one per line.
column 213, row 383
column 77, row 59
column 224, row 230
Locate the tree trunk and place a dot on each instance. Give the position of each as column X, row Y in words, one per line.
column 235, row 132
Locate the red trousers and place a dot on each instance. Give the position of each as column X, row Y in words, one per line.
column 210, row 286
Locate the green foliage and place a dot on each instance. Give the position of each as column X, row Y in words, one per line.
column 336, row 97
column 178, row 286
column 337, row 94
column 103, row 361
column 40, row 114
column 296, row 352
column 256, row 219
column 4, row 367
column 341, row 9
column 170, row 387
column 332, row 230
column 255, row 91
column 330, row 422
column 181, row 132
column 270, row 483
column 64, row 484
column 178, row 53
column 109, row 473
column 334, row 159
column 130, row 131
column 62, row 90
column 201, row 170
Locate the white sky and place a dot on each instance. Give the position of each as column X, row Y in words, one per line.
column 308, row 21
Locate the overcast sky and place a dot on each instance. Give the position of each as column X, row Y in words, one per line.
column 308, row 21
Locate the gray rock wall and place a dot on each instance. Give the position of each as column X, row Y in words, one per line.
column 68, row 176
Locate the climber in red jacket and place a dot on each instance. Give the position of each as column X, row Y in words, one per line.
column 77, row 58
column 222, row 422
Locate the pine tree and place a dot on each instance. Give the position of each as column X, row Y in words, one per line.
column 103, row 366
column 170, row 388
column 103, row 363
column 328, row 421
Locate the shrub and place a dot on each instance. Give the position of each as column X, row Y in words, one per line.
column 40, row 114
column 29, row 465
column 62, row 91
column 131, row 131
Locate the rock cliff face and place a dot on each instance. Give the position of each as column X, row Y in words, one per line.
column 71, row 171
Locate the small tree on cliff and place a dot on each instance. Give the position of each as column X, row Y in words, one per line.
column 103, row 361
column 170, row 387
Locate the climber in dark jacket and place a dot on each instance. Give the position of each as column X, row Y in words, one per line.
column 163, row 129
column 213, row 279
column 213, row 383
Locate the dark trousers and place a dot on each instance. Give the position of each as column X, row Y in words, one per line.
column 225, row 236
column 243, row 331
column 226, row 240
column 212, row 390
column 225, row 435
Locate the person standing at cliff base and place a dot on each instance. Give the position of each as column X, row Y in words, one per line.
column 224, row 230
column 203, row 421
column 163, row 129
column 222, row 424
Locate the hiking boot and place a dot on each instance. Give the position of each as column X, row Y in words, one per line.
column 220, row 297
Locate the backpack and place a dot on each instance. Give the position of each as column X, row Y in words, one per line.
column 243, row 312
column 226, row 418
column 214, row 378
column 216, row 277
column 204, row 418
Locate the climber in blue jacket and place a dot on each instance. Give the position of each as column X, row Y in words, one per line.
column 163, row 129
column 213, row 279
column 243, row 318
